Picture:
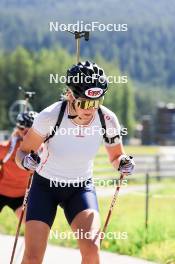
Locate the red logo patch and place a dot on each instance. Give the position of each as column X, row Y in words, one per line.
column 93, row 92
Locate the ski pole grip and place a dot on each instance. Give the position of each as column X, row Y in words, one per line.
column 124, row 160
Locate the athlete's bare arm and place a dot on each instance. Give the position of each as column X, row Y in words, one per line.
column 114, row 153
column 31, row 141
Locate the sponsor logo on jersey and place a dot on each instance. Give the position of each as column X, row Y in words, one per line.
column 94, row 92
column 107, row 117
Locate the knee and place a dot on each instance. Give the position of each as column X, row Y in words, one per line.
column 91, row 254
column 31, row 259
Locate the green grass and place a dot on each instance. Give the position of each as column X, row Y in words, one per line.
column 156, row 244
column 167, row 188
column 142, row 150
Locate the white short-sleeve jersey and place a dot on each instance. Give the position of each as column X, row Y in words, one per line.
column 69, row 155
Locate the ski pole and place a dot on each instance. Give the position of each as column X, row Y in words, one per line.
column 27, row 95
column 111, row 206
column 21, row 218
column 78, row 35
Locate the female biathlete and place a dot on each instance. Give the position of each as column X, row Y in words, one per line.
column 68, row 158
column 13, row 180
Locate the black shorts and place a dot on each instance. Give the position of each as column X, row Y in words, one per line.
column 44, row 199
column 13, row 203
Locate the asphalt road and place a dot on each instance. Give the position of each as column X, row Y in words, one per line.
column 60, row 255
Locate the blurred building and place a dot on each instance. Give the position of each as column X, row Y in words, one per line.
column 165, row 124
column 147, row 133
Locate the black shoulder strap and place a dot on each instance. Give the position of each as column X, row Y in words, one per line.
column 103, row 124
column 59, row 120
